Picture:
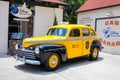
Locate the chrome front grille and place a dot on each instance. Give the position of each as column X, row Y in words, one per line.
column 28, row 54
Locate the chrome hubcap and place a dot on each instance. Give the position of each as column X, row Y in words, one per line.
column 95, row 53
column 53, row 61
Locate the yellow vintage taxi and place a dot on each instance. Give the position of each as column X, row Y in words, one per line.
column 61, row 43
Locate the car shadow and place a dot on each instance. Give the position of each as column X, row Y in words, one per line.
column 39, row 70
column 78, row 62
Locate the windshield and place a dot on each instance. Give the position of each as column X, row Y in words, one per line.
column 57, row 31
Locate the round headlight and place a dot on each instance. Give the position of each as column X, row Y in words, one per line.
column 31, row 48
column 37, row 50
column 16, row 46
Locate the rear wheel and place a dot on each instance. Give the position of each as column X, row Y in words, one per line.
column 94, row 54
column 53, row 62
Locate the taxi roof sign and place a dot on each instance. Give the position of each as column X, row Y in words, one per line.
column 64, row 22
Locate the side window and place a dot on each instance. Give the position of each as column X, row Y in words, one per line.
column 85, row 32
column 92, row 33
column 75, row 33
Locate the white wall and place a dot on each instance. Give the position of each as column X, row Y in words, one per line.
column 4, row 6
column 59, row 15
column 44, row 18
column 100, row 13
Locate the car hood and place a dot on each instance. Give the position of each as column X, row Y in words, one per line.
column 42, row 40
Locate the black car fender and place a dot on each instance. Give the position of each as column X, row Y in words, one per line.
column 96, row 43
column 47, row 50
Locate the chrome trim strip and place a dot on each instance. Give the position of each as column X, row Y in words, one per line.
column 25, row 50
column 59, row 40
column 28, row 61
column 53, row 49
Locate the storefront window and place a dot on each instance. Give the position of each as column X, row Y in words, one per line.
column 21, row 28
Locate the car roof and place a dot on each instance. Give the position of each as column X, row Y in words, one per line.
column 71, row 26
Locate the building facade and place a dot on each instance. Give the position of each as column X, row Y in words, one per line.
column 104, row 17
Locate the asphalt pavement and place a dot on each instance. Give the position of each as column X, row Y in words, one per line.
column 107, row 67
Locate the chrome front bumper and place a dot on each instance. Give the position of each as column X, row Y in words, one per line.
column 28, row 61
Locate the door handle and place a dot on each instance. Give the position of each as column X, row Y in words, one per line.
column 75, row 46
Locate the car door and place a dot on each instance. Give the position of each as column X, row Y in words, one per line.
column 86, row 41
column 74, row 48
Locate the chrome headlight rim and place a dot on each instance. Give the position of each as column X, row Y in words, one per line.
column 37, row 50
column 17, row 46
column 31, row 48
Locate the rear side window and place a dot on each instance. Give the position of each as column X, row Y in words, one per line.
column 75, row 33
column 85, row 32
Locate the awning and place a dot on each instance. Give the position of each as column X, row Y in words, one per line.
column 55, row 1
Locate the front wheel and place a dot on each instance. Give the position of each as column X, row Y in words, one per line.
column 53, row 62
column 94, row 54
